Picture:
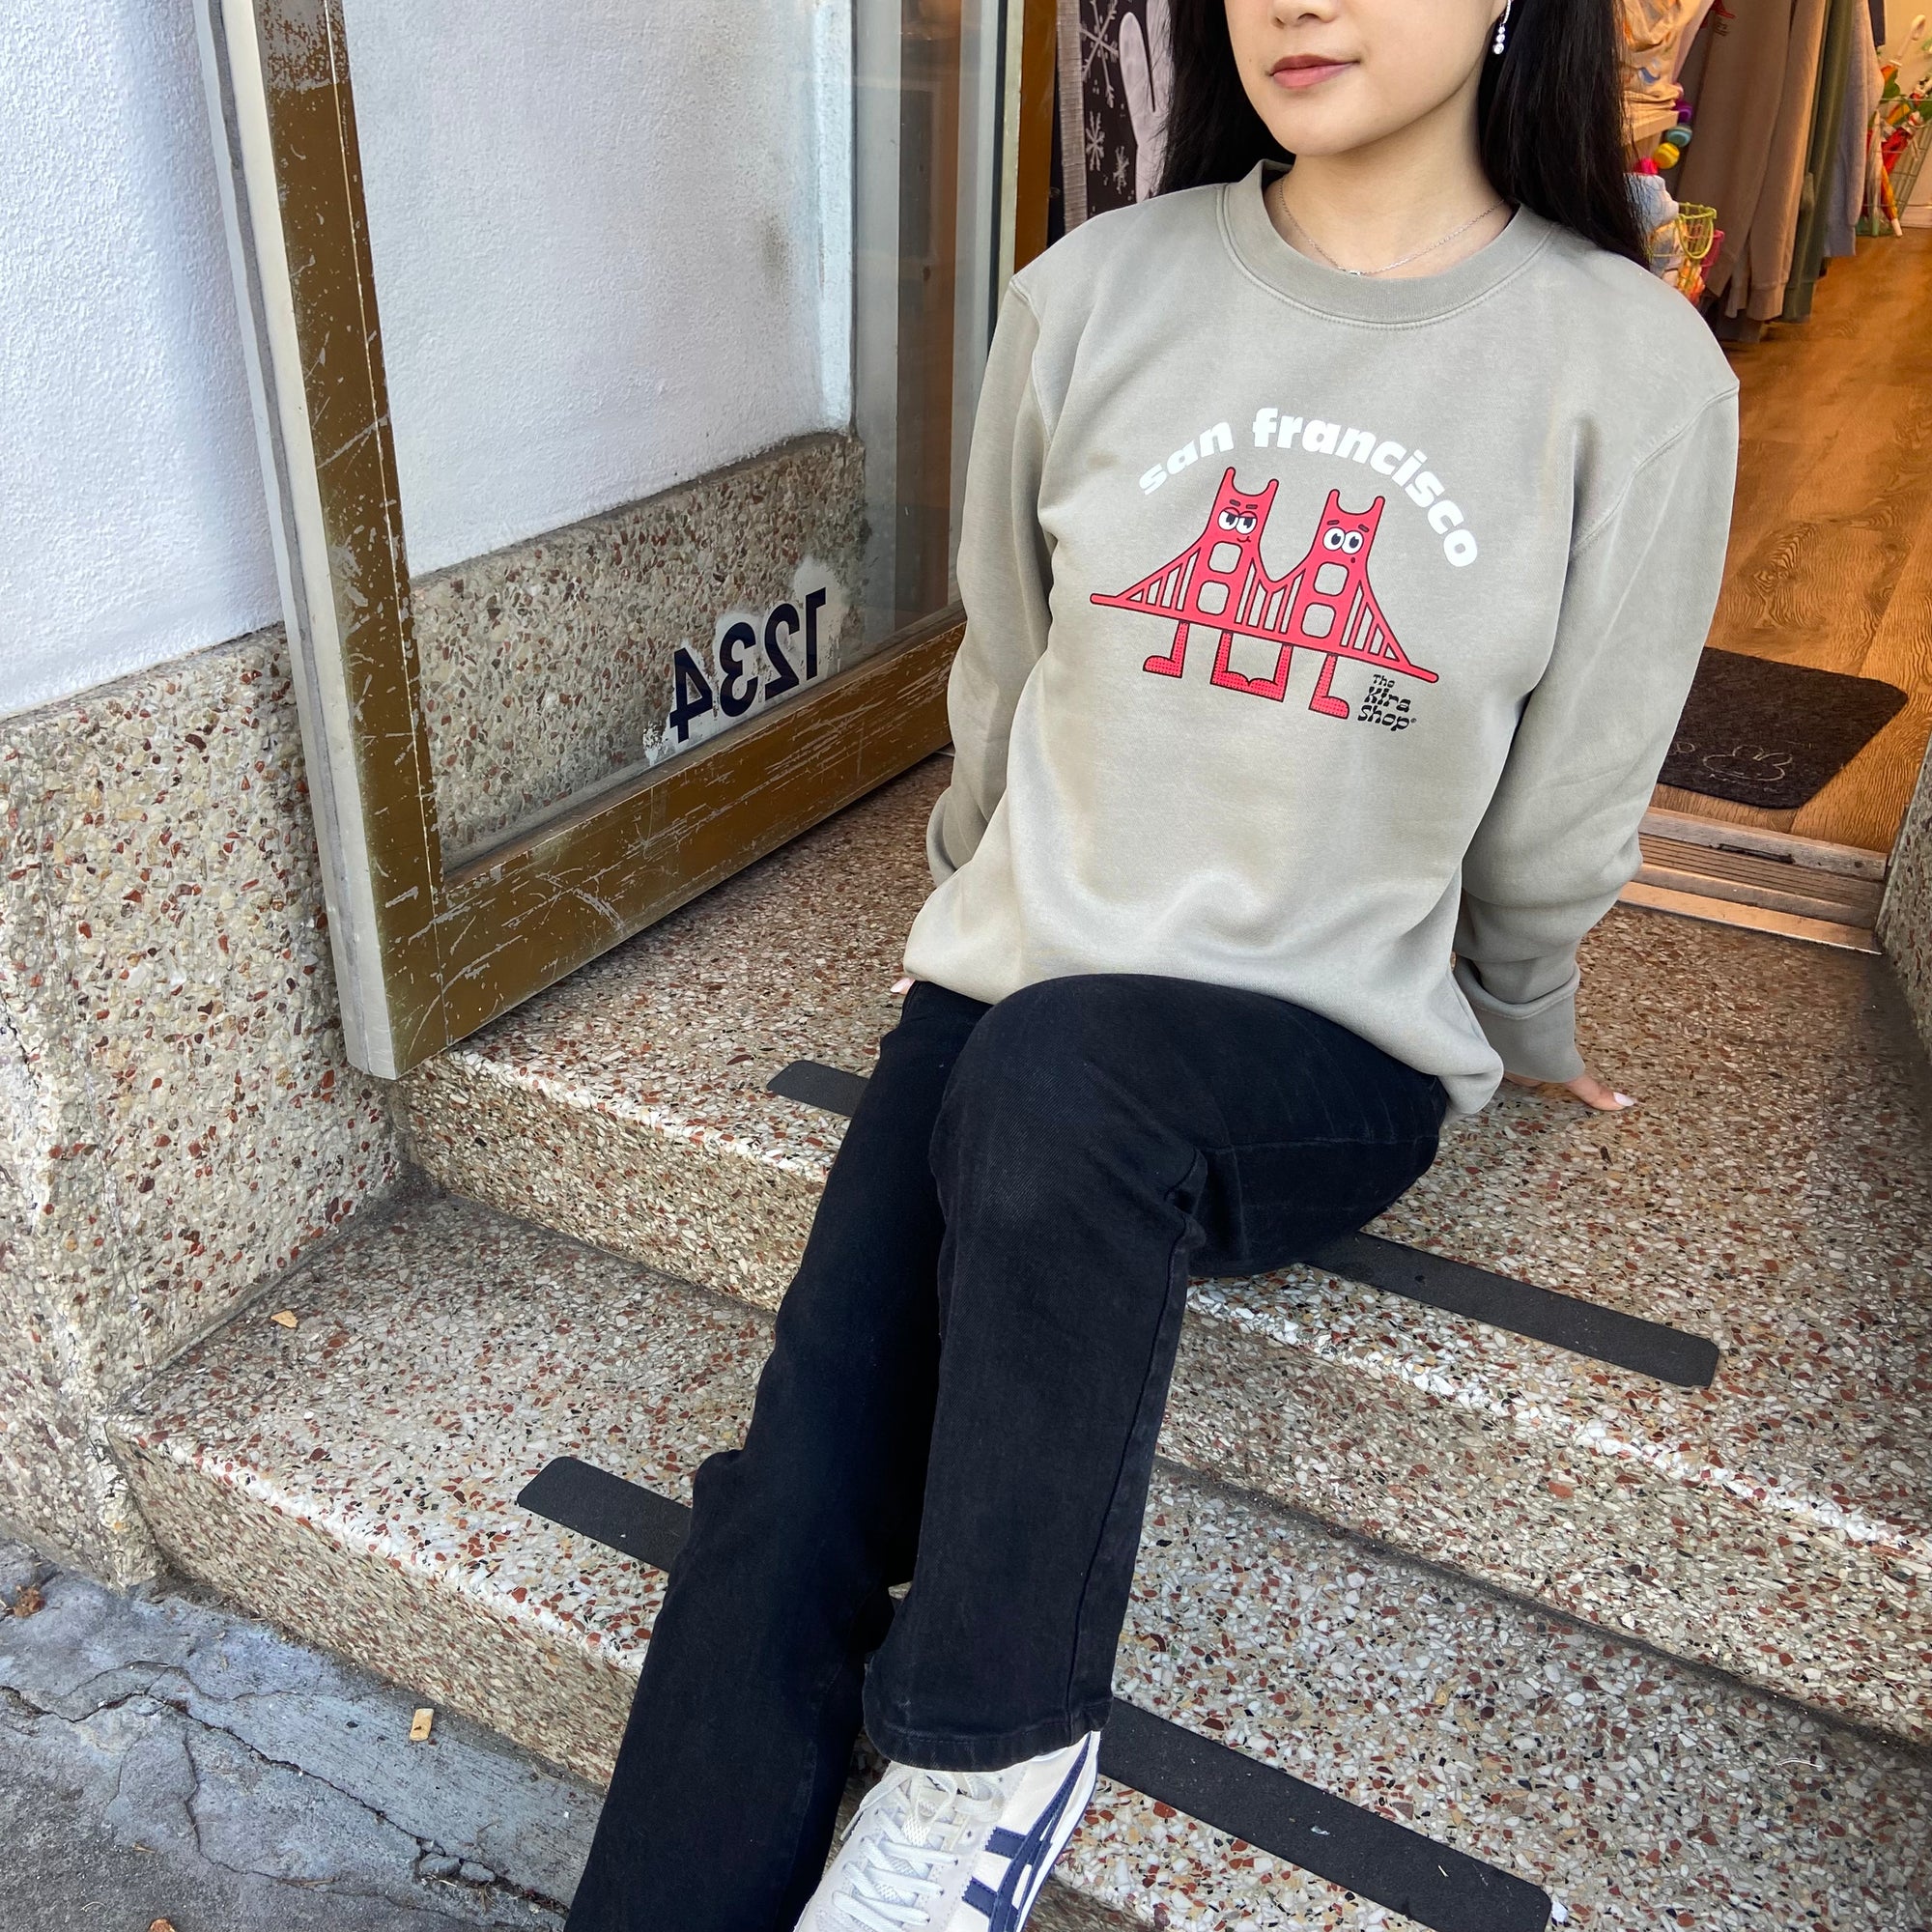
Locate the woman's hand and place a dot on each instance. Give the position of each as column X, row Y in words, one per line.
column 1586, row 1088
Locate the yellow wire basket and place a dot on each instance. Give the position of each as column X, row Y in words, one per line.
column 1696, row 229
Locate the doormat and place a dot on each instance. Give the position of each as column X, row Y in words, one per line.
column 1769, row 735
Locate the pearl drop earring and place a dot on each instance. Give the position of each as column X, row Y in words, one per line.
column 1502, row 29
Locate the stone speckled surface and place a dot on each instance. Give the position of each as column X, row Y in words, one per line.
column 627, row 1106
column 356, row 1474
column 179, row 1116
column 546, row 668
column 1772, row 1191
column 354, row 1481
column 1905, row 918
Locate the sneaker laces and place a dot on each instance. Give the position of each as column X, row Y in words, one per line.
column 908, row 1831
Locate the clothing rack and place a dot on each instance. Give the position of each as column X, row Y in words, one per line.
column 1802, row 141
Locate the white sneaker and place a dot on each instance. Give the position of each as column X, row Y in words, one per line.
column 954, row 1851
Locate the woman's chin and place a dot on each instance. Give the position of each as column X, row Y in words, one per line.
column 1326, row 119
column 1306, row 135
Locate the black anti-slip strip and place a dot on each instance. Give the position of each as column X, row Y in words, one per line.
column 621, row 1514
column 1359, row 1849
column 1583, row 1327
column 818, row 1085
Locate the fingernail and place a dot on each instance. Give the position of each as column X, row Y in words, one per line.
column 1624, row 1100
column 905, row 986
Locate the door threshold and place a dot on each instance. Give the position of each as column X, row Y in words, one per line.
column 1816, row 855
column 1763, row 881
column 1714, row 911
column 1774, row 885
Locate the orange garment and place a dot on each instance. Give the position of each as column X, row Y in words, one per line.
column 1658, row 37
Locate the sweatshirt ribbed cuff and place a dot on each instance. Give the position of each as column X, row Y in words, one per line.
column 1537, row 1040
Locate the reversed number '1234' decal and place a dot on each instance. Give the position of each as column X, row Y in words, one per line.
column 742, row 680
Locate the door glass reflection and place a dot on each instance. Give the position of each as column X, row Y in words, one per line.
column 682, row 313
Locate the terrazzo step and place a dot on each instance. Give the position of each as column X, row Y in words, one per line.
column 1772, row 1192
column 354, row 1478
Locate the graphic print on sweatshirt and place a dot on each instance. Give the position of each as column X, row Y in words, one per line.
column 1325, row 604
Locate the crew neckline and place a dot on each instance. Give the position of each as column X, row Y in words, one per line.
column 1257, row 245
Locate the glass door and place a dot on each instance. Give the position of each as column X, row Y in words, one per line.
column 614, row 369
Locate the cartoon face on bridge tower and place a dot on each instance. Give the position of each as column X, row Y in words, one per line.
column 1230, row 549
column 1334, row 573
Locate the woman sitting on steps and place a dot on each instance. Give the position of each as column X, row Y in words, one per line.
column 1207, row 963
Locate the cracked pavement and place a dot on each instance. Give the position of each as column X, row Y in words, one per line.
column 163, row 1758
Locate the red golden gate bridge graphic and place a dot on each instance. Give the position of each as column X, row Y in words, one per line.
column 1324, row 604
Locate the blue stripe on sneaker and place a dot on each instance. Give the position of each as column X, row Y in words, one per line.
column 1030, row 1859
column 1003, row 1843
column 981, row 1898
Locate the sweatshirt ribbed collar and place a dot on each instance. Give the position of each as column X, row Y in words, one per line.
column 1402, row 302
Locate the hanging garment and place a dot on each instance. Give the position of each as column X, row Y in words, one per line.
column 1852, row 170
column 1821, row 156
column 1754, row 77
column 1115, row 64
column 1070, row 94
column 1658, row 35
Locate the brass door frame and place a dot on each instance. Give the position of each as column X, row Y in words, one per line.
column 425, row 955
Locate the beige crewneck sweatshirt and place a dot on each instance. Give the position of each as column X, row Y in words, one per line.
column 1320, row 627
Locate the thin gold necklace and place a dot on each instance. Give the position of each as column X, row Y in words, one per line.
column 1401, row 261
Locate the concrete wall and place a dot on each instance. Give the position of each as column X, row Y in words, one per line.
column 548, row 667
column 613, row 245
column 178, row 1118
column 131, row 519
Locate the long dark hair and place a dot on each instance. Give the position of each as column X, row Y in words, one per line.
column 1549, row 116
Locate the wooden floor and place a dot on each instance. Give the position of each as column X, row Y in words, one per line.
column 1831, row 554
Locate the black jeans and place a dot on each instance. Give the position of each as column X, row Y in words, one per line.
column 970, row 1370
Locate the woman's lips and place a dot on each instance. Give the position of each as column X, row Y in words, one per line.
column 1304, row 71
